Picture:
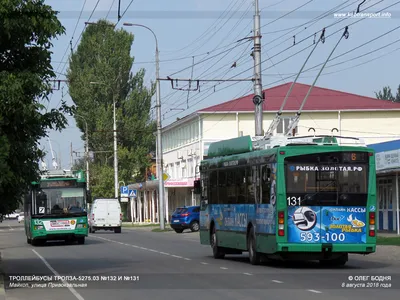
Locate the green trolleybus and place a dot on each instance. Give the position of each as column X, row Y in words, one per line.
column 310, row 198
column 55, row 208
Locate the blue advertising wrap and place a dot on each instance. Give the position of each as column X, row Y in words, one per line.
column 327, row 224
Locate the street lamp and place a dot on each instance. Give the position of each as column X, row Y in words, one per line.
column 116, row 183
column 87, row 151
column 159, row 144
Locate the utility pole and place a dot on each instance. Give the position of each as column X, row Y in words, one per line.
column 87, row 159
column 160, row 160
column 115, row 153
column 258, row 98
column 159, row 143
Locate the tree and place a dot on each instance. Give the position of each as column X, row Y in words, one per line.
column 386, row 94
column 100, row 74
column 26, row 31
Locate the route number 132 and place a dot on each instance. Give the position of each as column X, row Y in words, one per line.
column 293, row 201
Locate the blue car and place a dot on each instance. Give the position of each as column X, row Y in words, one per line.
column 186, row 217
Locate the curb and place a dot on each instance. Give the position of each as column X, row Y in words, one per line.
column 2, row 290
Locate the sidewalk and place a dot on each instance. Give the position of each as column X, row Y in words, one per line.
column 387, row 234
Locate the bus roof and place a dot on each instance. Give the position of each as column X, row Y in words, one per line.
column 50, row 175
column 301, row 145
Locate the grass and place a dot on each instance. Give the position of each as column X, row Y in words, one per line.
column 139, row 225
column 394, row 241
column 160, row 230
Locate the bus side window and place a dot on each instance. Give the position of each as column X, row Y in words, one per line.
column 266, row 184
column 222, row 197
column 204, row 185
column 240, row 180
column 230, row 186
column 250, row 185
column 213, row 187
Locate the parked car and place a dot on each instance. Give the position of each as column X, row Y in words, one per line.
column 186, row 217
column 13, row 215
column 21, row 217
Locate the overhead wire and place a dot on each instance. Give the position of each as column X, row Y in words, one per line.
column 316, row 20
column 112, row 4
column 185, row 86
column 306, row 48
column 166, row 98
column 212, row 26
column 288, row 13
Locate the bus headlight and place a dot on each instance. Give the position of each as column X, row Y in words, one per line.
column 81, row 226
column 39, row 227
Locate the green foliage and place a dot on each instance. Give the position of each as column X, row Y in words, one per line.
column 100, row 74
column 26, row 31
column 386, row 94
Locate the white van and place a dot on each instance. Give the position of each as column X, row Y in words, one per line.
column 105, row 214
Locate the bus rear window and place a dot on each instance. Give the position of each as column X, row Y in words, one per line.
column 326, row 172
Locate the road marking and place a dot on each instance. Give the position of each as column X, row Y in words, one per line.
column 177, row 256
column 186, row 258
column 165, row 253
column 71, row 289
column 204, row 263
column 248, row 274
column 277, row 281
column 223, row 268
column 10, row 227
column 314, row 291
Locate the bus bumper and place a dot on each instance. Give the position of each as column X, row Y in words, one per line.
column 60, row 235
column 321, row 251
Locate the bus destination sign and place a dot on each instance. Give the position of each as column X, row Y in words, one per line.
column 58, row 184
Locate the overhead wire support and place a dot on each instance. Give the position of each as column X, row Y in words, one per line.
column 294, row 122
column 274, row 124
column 57, row 84
column 197, row 88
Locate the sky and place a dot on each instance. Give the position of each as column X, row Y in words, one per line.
column 211, row 32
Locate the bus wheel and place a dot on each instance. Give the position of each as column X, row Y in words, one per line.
column 81, row 240
column 254, row 256
column 217, row 252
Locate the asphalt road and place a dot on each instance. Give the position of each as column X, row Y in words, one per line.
column 139, row 264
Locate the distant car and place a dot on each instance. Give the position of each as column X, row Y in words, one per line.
column 186, row 217
column 13, row 215
column 21, row 217
column 105, row 214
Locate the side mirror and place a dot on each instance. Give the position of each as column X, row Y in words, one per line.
column 197, row 187
column 88, row 196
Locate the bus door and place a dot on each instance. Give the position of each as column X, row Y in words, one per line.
column 327, row 200
column 202, row 188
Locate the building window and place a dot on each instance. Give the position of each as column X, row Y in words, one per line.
column 178, row 170
column 184, row 168
column 284, row 125
column 189, row 166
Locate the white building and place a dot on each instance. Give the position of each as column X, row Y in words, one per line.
column 186, row 141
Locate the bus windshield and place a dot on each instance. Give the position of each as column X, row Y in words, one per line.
column 328, row 177
column 60, row 201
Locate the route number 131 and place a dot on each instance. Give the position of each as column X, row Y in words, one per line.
column 293, row 201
